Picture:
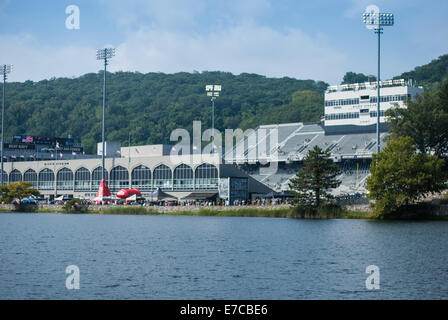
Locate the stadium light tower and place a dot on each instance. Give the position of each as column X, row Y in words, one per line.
column 213, row 91
column 375, row 20
column 4, row 70
column 104, row 54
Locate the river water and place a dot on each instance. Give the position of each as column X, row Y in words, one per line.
column 183, row 257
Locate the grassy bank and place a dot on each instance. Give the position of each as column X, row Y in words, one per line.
column 328, row 212
column 237, row 212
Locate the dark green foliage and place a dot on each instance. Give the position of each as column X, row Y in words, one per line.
column 430, row 75
column 306, row 105
column 149, row 106
column 401, row 177
column 76, row 205
column 318, row 175
column 17, row 191
column 353, row 77
column 425, row 120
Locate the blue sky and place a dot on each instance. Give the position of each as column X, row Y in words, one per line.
column 315, row 39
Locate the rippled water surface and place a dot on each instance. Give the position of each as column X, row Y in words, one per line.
column 181, row 257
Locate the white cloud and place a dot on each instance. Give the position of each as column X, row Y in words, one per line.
column 243, row 48
column 34, row 60
column 164, row 36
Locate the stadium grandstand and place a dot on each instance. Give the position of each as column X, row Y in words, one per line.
column 348, row 131
column 261, row 163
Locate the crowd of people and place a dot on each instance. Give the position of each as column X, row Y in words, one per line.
column 201, row 203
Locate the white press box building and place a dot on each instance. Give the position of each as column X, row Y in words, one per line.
column 352, row 108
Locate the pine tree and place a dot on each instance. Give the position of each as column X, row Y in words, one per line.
column 318, row 175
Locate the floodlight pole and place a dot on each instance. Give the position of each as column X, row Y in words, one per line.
column 376, row 20
column 378, row 31
column 5, row 69
column 213, row 122
column 104, row 117
column 3, row 114
column 104, row 54
column 213, row 92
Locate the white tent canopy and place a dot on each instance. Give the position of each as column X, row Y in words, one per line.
column 132, row 198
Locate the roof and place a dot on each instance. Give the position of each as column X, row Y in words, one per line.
column 200, row 196
column 158, row 194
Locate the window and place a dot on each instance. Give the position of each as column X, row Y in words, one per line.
column 15, row 176
column 82, row 180
column 183, row 177
column 141, row 178
column 206, row 177
column 31, row 176
column 373, row 114
column 64, row 179
column 96, row 177
column 119, row 178
column 4, row 177
column 162, row 177
column 46, row 179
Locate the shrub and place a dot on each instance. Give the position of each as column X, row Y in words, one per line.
column 76, row 205
column 324, row 211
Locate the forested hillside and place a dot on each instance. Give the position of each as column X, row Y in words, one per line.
column 149, row 106
column 430, row 75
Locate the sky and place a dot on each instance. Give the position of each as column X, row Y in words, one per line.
column 314, row 39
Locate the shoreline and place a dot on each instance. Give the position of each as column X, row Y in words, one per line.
column 284, row 211
column 278, row 211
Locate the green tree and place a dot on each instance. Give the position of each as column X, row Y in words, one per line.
column 425, row 121
column 399, row 176
column 430, row 75
column 17, row 190
column 353, row 77
column 76, row 205
column 318, row 175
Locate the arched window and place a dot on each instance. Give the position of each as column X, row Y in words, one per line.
column 31, row 176
column 4, row 177
column 64, row 179
column 183, row 177
column 46, row 179
column 162, row 177
column 15, row 176
column 96, row 178
column 141, row 178
column 206, row 177
column 82, row 180
column 119, row 178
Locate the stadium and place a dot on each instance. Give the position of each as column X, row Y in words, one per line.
column 260, row 164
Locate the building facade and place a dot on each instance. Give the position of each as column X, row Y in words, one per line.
column 82, row 177
column 196, row 176
column 352, row 108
